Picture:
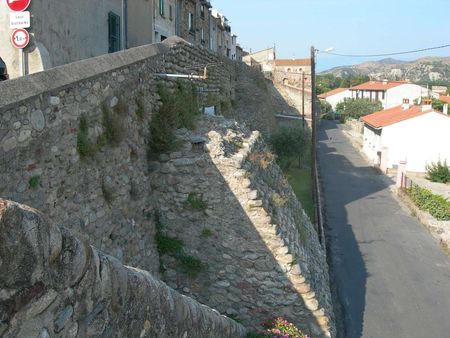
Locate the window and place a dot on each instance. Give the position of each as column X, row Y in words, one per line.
column 113, row 32
column 170, row 13
column 203, row 36
column 161, row 7
column 202, row 11
column 191, row 22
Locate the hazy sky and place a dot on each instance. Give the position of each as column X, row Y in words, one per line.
column 350, row 26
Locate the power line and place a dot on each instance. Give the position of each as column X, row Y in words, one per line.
column 386, row 54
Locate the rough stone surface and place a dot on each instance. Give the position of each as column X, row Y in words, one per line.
column 259, row 257
column 108, row 300
column 276, row 259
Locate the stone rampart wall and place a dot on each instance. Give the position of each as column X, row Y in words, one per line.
column 56, row 285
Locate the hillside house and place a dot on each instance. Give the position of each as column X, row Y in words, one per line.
column 335, row 96
column 417, row 134
column 390, row 93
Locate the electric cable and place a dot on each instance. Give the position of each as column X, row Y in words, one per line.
column 386, row 54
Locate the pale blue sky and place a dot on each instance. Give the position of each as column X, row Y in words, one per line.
column 350, row 26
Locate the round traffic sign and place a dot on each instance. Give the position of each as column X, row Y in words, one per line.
column 20, row 38
column 18, row 5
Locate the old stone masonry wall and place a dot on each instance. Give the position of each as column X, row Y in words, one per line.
column 259, row 252
column 215, row 218
column 56, row 285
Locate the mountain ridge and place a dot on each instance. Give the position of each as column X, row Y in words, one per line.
column 423, row 70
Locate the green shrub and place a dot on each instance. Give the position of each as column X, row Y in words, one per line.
column 190, row 264
column 195, row 202
column 325, row 107
column 290, row 142
column 84, row 146
column 206, row 233
column 140, row 109
column 108, row 193
column 173, row 247
column 178, row 110
column 438, row 172
column 436, row 205
column 34, row 181
column 113, row 128
column 168, row 245
column 358, row 107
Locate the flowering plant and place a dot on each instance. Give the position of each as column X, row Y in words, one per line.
column 279, row 327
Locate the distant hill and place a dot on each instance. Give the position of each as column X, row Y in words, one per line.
column 434, row 70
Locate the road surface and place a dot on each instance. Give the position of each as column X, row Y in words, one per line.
column 393, row 278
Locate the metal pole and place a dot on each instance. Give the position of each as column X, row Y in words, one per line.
column 314, row 139
column 21, row 70
column 303, row 99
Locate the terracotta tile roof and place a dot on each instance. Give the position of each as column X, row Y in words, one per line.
column 378, row 85
column 444, row 98
column 293, row 62
column 392, row 115
column 332, row 92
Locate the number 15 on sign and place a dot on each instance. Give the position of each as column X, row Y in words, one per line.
column 20, row 38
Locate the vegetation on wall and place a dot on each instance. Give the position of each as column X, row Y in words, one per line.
column 113, row 130
column 174, row 247
column 436, row 205
column 179, row 109
column 277, row 327
column 85, row 147
column 34, row 181
column 357, row 108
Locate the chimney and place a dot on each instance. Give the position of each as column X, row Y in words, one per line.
column 385, row 82
column 405, row 104
column 445, row 109
column 426, row 105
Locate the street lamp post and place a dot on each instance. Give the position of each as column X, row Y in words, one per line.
column 314, row 138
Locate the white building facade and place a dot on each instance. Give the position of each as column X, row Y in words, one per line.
column 390, row 93
column 413, row 135
column 336, row 96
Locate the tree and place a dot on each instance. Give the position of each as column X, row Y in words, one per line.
column 358, row 107
column 290, row 143
column 325, row 107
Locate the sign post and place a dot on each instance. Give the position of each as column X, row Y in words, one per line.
column 18, row 20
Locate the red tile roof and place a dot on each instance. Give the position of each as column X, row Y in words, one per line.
column 332, row 92
column 392, row 115
column 378, row 85
column 444, row 98
column 293, row 62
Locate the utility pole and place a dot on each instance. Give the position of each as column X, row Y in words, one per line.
column 314, row 139
column 303, row 99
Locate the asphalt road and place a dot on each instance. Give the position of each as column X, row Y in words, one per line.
column 392, row 277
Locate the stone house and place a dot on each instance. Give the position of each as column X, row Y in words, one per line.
column 188, row 20
column 164, row 19
column 224, row 40
column 293, row 71
column 265, row 59
column 58, row 36
column 203, row 23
